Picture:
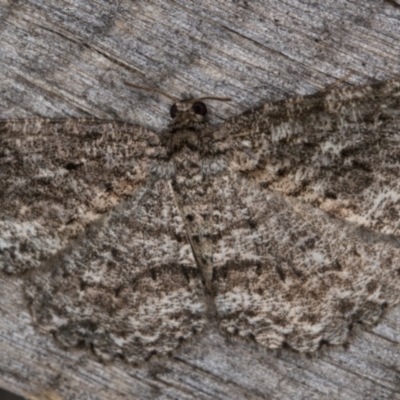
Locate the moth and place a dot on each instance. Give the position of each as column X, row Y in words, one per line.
column 280, row 225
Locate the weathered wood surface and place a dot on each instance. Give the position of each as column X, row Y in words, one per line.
column 71, row 58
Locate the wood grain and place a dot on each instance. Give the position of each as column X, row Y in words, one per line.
column 72, row 59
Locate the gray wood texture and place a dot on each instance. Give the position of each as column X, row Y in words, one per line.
column 72, row 58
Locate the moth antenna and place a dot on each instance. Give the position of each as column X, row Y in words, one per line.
column 212, row 98
column 153, row 90
column 337, row 82
column 173, row 98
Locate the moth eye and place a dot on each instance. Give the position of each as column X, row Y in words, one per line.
column 199, row 108
column 173, row 111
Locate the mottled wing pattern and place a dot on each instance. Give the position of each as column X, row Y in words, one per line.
column 306, row 242
column 286, row 272
column 288, row 213
column 56, row 177
column 339, row 151
column 129, row 287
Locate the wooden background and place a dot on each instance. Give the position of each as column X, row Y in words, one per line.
column 70, row 58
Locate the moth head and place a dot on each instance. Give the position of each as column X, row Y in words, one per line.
column 190, row 113
column 184, row 113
